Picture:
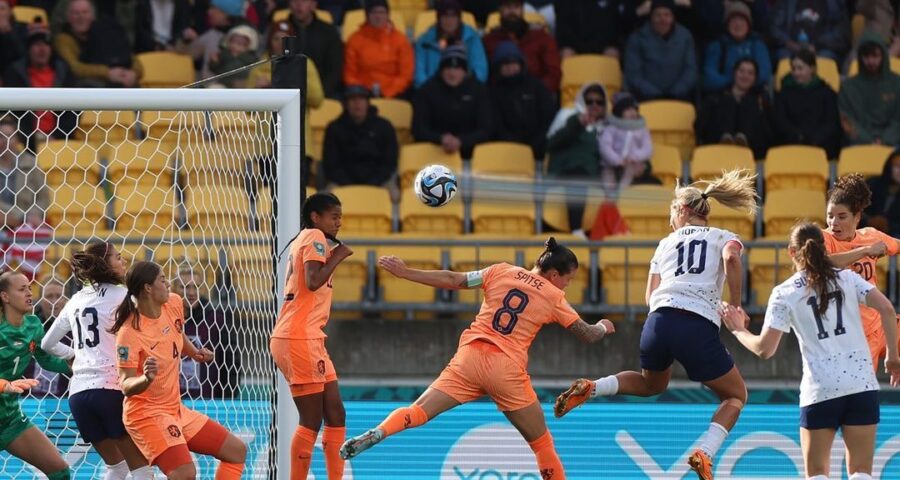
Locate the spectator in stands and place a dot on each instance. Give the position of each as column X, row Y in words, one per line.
column 573, row 145
column 589, row 26
column 360, row 147
column 522, row 106
column 822, row 26
column 660, row 59
column 321, row 42
column 378, row 55
column 221, row 16
column 162, row 25
column 12, row 36
column 96, row 48
column 538, row 46
column 449, row 30
column 739, row 42
column 625, row 145
column 24, row 195
column 238, row 50
column 738, row 115
column 52, row 301
column 806, row 111
column 41, row 68
column 884, row 212
column 869, row 102
column 452, row 109
column 709, row 14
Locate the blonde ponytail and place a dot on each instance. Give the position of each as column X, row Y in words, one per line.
column 734, row 189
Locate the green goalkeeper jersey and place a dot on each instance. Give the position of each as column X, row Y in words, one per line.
column 17, row 347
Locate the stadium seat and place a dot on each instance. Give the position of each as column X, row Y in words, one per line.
column 27, row 14
column 533, row 18
column 646, row 209
column 666, row 164
column 77, row 209
column 166, row 69
column 172, row 127
column 854, row 67
column 353, row 19
column 857, row 26
column 416, row 156
column 106, row 126
column 69, row 162
column 625, row 270
column 577, row 293
column 475, row 257
column 410, row 10
column 218, row 210
column 212, row 164
column 427, row 18
column 825, row 67
column 350, row 282
column 250, row 267
column 148, row 210
column 709, row 161
column 769, row 266
column 285, row 13
column 865, row 159
column 399, row 113
column 796, row 166
column 512, row 216
column 580, row 69
column 671, row 122
column 418, row 218
column 367, row 210
column 149, row 162
column 504, row 159
column 396, row 290
column 319, row 118
column 737, row 221
column 783, row 208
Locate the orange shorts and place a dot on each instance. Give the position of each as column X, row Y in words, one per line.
column 481, row 368
column 154, row 435
column 305, row 364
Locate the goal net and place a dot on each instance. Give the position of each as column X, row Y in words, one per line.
column 185, row 178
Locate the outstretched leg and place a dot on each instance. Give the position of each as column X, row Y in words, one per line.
column 529, row 421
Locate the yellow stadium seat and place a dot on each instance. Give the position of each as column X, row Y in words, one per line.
column 285, row 13
column 710, row 160
column 577, row 293
column 27, row 15
column 469, row 258
column 533, row 18
column 319, row 118
column 149, row 210
column 77, row 209
column 353, row 19
column 399, row 113
column 580, row 69
column 505, row 159
column 556, row 212
column 625, row 271
column 783, row 208
column 166, row 69
column 737, row 221
column 212, row 164
column 825, row 67
column 666, row 164
column 106, row 126
column 865, row 159
column 351, row 280
column 172, row 127
column 418, row 218
column 646, row 209
column 854, row 67
column 416, row 156
column 218, row 209
column 366, row 210
column 250, row 267
column 410, row 10
column 769, row 266
column 671, row 122
column 427, row 18
column 148, row 162
column 857, row 25
column 796, row 166
column 70, row 162
column 512, row 217
column 396, row 290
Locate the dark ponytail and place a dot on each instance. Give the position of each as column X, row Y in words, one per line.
column 91, row 265
column 140, row 274
column 809, row 244
column 318, row 202
column 556, row 257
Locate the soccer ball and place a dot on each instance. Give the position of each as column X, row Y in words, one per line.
column 435, row 185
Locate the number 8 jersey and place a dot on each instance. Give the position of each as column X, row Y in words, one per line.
column 689, row 263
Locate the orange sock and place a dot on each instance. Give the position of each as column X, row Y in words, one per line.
column 229, row 471
column 332, row 439
column 301, row 452
column 547, row 459
column 403, row 418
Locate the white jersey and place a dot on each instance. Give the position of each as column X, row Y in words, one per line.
column 836, row 358
column 692, row 273
column 89, row 315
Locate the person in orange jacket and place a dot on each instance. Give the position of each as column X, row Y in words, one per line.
column 378, row 55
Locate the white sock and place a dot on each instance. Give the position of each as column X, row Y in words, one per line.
column 143, row 473
column 712, row 439
column 821, row 477
column 608, row 385
column 118, row 471
column 860, row 476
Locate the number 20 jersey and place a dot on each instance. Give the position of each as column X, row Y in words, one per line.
column 689, row 263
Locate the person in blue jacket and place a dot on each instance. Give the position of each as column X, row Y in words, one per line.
column 449, row 30
column 737, row 43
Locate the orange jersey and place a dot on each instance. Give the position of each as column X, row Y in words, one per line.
column 304, row 313
column 517, row 303
column 161, row 338
column 864, row 267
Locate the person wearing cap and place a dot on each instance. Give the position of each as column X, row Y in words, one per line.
column 820, row 25
column 738, row 42
column 449, row 30
column 162, row 25
column 379, row 55
column 221, row 16
column 589, row 26
column 869, row 102
column 12, row 36
column 360, row 147
column 660, row 60
column 538, row 46
column 321, row 42
column 522, row 106
column 238, row 50
column 625, row 145
column 708, row 14
column 452, row 109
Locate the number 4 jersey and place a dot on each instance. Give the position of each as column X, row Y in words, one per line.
column 836, row 359
column 689, row 263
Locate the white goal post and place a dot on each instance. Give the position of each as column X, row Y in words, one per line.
column 285, row 104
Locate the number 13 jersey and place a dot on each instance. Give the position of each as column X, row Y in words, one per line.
column 517, row 303
column 689, row 263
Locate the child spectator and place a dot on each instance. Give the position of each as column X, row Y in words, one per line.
column 238, row 50
column 625, row 145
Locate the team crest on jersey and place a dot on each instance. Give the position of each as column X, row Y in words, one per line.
column 179, row 325
column 320, row 365
column 320, row 249
column 31, row 346
column 174, row 431
column 123, row 353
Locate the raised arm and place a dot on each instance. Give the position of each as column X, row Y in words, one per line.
column 845, row 259
column 317, row 273
column 734, row 270
column 433, row 278
column 134, row 384
column 588, row 333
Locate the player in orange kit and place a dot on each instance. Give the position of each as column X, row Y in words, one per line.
column 493, row 352
column 858, row 248
column 150, row 341
column 298, row 342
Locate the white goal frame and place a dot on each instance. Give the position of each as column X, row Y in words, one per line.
column 286, row 103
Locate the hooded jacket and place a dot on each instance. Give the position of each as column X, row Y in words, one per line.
column 360, row 154
column 870, row 104
column 723, row 54
column 428, row 55
column 379, row 55
column 538, row 47
column 625, row 139
column 657, row 67
column 886, row 196
column 574, row 147
column 464, row 111
column 807, row 115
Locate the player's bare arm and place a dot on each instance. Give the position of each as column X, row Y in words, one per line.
column 878, row 301
column 734, row 276
column 652, row 284
column 200, row 354
column 588, row 333
column 763, row 345
column 845, row 259
column 434, row 278
column 317, row 273
column 134, row 384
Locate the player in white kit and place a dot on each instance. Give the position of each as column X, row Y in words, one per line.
column 95, row 397
column 839, row 388
column 687, row 274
